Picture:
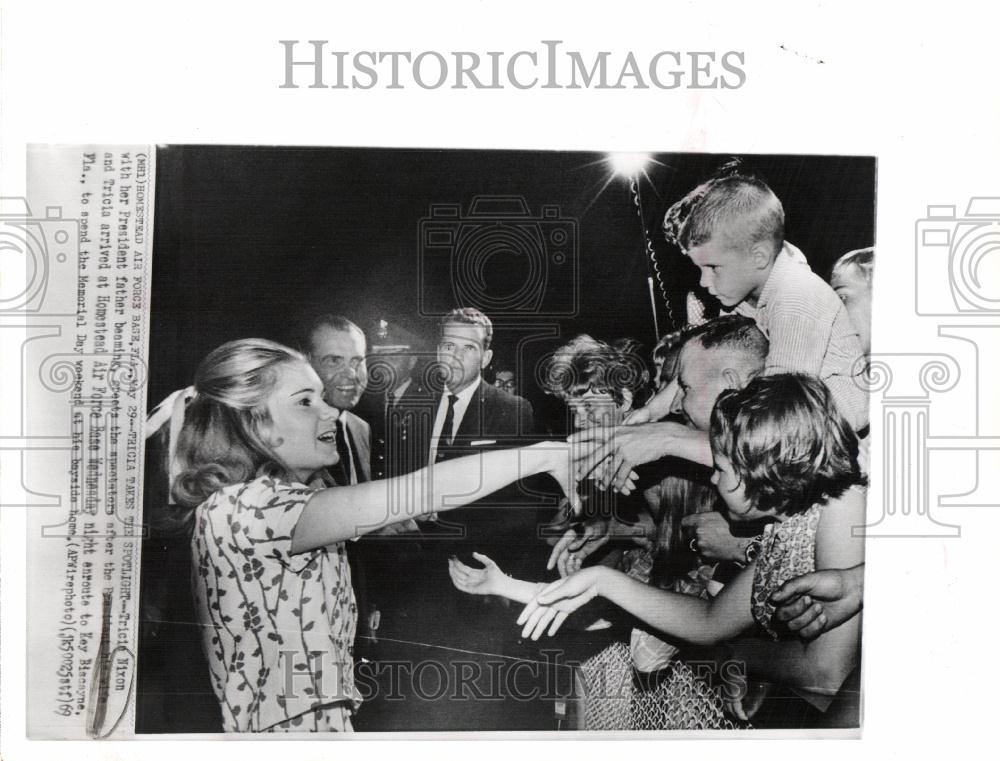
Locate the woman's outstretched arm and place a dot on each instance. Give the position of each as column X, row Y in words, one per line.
column 344, row 512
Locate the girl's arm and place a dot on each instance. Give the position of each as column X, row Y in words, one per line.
column 490, row 580
column 818, row 664
column 701, row 622
column 345, row 512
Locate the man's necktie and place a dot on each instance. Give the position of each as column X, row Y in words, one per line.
column 342, row 472
column 447, row 434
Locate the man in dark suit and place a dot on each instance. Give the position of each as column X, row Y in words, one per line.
column 336, row 348
column 449, row 411
column 452, row 412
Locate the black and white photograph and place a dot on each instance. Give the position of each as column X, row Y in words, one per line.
column 505, row 441
column 454, row 379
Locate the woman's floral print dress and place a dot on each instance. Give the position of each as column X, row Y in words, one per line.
column 277, row 629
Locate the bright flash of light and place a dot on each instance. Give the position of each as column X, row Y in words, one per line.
column 628, row 164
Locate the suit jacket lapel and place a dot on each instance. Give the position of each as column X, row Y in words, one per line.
column 360, row 447
column 471, row 426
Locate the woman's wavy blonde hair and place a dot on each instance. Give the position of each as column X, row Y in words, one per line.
column 221, row 442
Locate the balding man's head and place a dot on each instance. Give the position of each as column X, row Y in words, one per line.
column 724, row 353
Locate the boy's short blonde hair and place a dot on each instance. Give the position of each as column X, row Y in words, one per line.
column 730, row 200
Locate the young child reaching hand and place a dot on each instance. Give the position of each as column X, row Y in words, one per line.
column 781, row 450
column 490, row 580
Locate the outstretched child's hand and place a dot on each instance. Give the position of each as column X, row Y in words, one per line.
column 478, row 581
column 560, row 598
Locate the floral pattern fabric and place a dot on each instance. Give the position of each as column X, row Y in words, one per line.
column 787, row 550
column 277, row 628
column 335, row 718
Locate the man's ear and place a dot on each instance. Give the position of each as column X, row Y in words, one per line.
column 732, row 378
column 487, row 358
column 626, row 400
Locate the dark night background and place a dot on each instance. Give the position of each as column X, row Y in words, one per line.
column 247, row 239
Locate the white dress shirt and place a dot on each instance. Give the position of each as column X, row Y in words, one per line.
column 350, row 447
column 461, row 405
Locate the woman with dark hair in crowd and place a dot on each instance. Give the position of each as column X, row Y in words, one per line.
column 602, row 385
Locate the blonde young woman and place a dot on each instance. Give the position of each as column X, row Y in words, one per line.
column 271, row 581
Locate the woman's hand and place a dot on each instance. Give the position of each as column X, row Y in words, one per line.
column 489, row 580
column 611, row 454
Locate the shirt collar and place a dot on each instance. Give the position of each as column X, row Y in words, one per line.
column 466, row 393
column 789, row 256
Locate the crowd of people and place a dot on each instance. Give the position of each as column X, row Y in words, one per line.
column 694, row 532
